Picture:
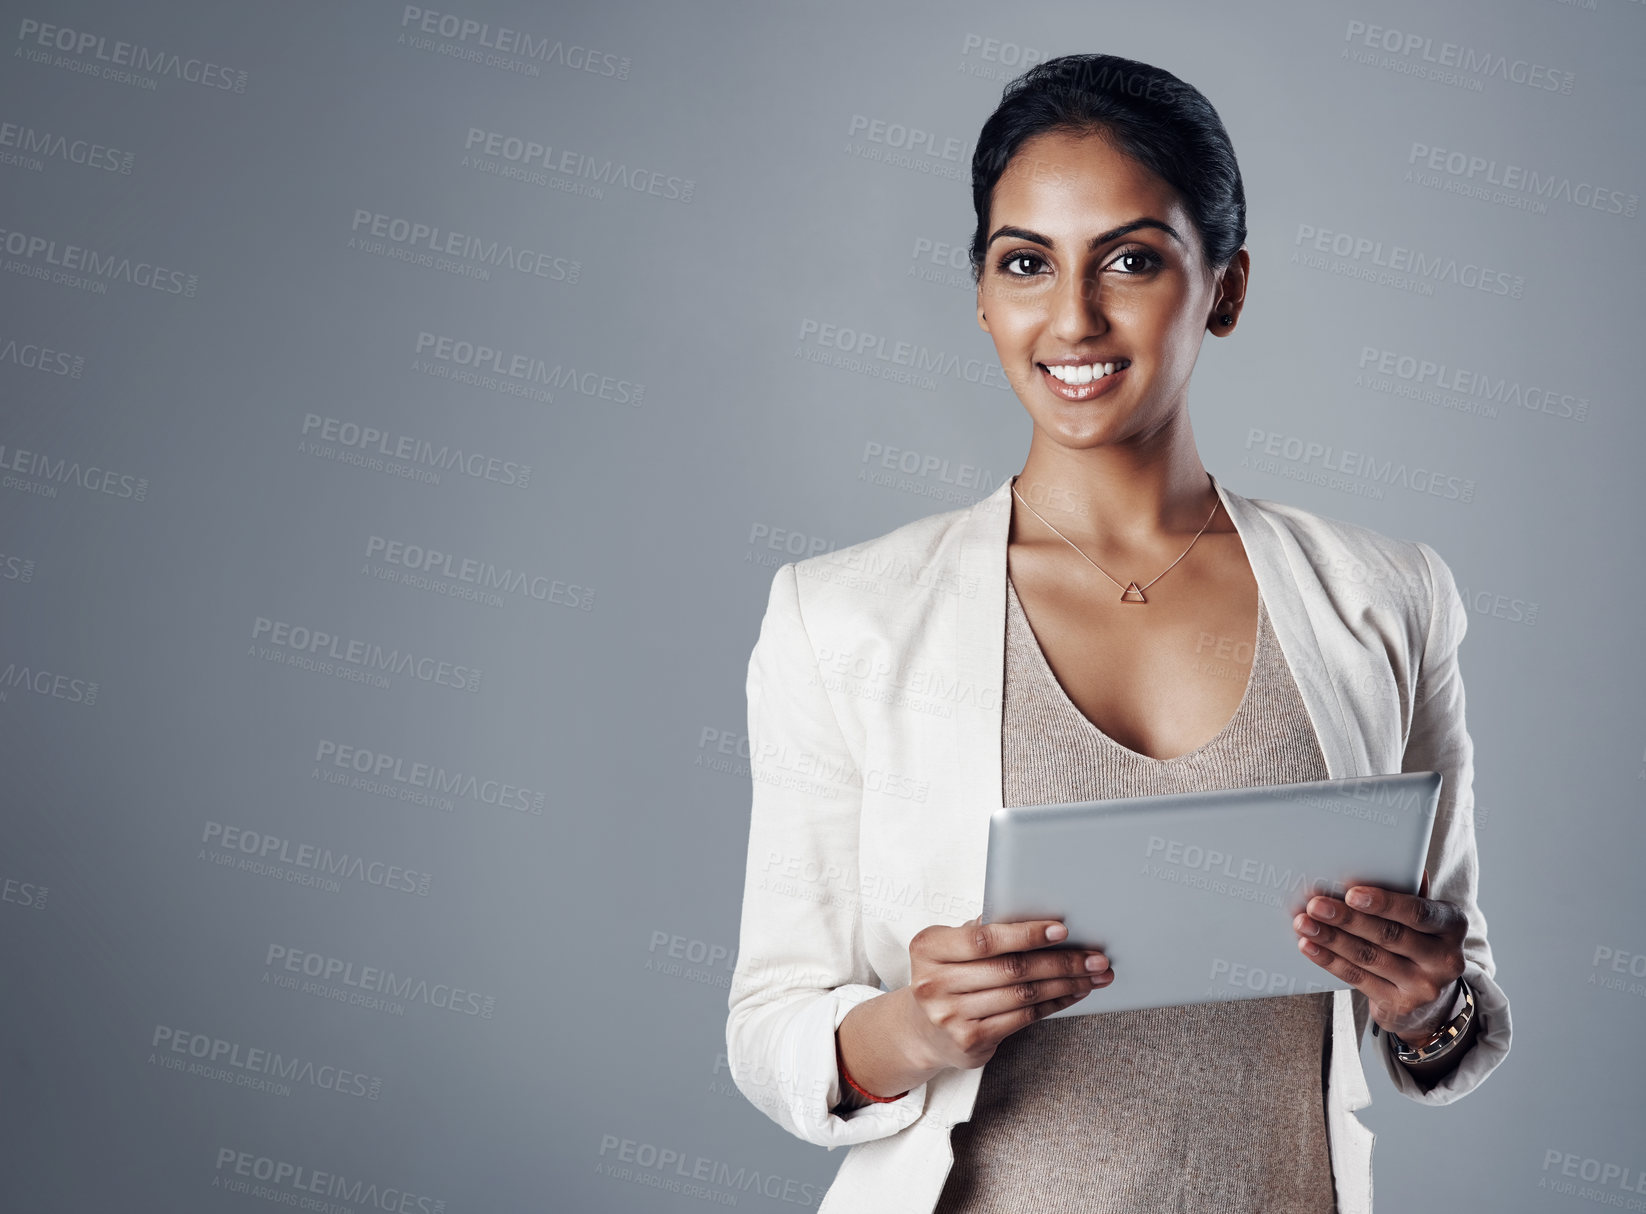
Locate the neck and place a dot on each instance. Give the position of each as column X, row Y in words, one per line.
column 1116, row 496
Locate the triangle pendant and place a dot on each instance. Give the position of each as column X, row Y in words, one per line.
column 1132, row 594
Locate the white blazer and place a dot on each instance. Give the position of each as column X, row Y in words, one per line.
column 875, row 738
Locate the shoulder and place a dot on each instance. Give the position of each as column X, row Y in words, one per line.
column 1347, row 551
column 888, row 580
column 1360, row 566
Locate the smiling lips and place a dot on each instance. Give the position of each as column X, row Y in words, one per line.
column 1084, row 373
column 1083, row 381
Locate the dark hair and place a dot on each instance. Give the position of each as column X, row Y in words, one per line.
column 1164, row 124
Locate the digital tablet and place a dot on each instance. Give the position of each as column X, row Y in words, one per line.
column 1191, row 895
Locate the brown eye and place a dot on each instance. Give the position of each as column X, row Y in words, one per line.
column 1148, row 257
column 1012, row 259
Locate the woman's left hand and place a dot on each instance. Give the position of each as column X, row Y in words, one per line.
column 1404, row 952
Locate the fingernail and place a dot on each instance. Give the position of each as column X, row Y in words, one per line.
column 1056, row 932
column 1359, row 898
column 1097, row 963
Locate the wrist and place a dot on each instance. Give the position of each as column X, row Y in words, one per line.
column 876, row 1050
column 907, row 1032
column 1432, row 1055
column 1441, row 1013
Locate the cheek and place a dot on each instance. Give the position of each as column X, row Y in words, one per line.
column 1010, row 323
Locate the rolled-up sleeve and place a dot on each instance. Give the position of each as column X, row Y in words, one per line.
column 1439, row 741
column 801, row 965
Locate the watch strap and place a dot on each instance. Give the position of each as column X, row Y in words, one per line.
column 1443, row 1039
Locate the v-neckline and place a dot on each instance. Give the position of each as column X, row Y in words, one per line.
column 1259, row 649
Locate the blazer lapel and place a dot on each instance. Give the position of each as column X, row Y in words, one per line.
column 980, row 660
column 980, row 647
column 1270, row 556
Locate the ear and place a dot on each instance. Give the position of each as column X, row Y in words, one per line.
column 1231, row 291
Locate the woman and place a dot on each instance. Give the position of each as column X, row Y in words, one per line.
column 1021, row 652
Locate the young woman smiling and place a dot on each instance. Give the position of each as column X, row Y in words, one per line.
column 1110, row 239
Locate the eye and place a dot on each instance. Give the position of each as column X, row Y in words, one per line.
column 1148, row 257
column 1142, row 260
column 1015, row 257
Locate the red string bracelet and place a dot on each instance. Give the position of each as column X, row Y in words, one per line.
column 840, row 1061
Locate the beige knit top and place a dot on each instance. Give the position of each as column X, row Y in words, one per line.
column 1208, row 1106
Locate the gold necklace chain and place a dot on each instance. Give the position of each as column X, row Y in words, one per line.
column 1131, row 589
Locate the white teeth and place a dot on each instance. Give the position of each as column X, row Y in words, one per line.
column 1084, row 374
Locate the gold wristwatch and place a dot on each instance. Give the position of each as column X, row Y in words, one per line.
column 1443, row 1039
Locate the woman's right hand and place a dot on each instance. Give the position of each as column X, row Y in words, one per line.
column 972, row 986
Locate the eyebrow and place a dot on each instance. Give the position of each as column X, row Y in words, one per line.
column 1097, row 241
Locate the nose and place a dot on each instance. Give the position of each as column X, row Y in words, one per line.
column 1077, row 309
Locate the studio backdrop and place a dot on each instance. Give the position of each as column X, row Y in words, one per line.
column 404, row 411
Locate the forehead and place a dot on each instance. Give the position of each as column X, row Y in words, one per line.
column 1077, row 181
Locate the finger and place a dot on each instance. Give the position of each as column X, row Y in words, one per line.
column 1374, row 972
column 1430, row 968
column 1424, row 914
column 1022, row 1004
column 973, row 940
column 997, row 1028
column 964, row 977
column 1329, row 915
column 1363, row 951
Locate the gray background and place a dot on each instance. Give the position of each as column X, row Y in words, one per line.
column 693, row 434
